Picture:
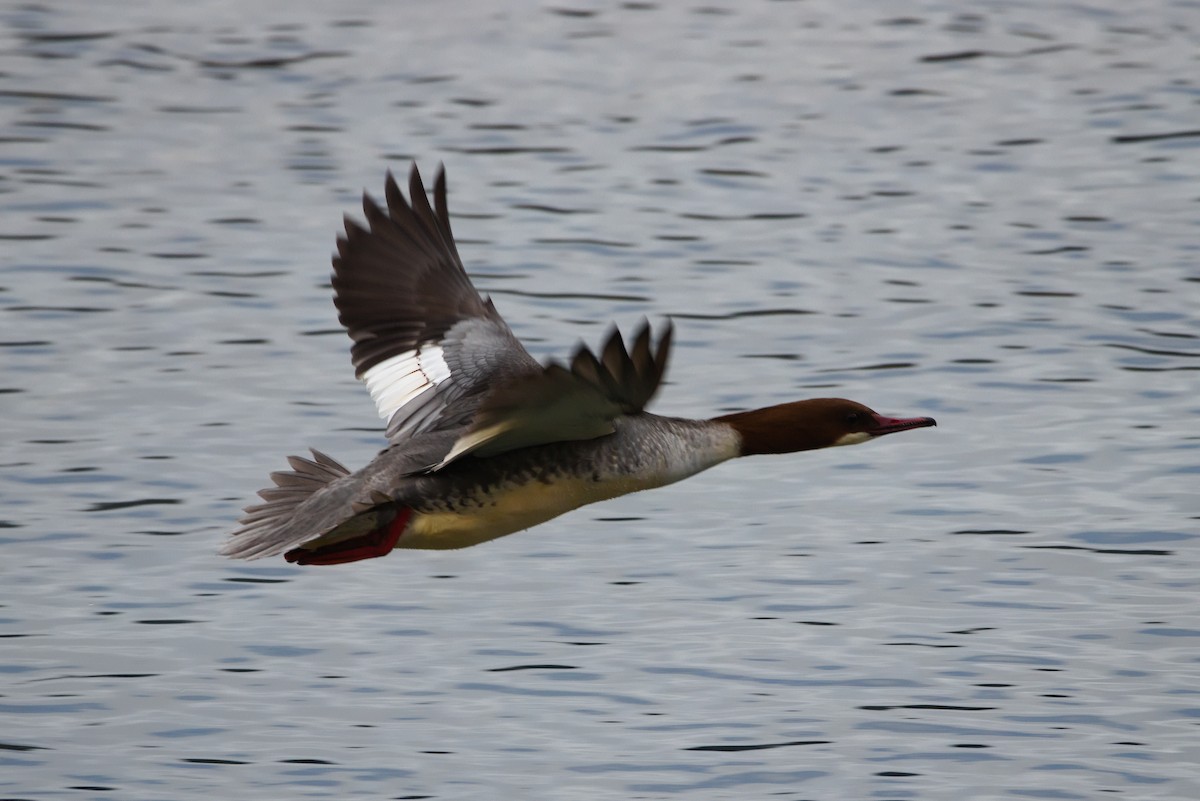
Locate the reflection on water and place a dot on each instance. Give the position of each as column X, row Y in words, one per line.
column 988, row 217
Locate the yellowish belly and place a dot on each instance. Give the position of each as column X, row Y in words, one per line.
column 514, row 509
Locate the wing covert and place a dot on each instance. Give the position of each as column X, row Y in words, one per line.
column 560, row 404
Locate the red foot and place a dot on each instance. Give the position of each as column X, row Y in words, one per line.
column 379, row 542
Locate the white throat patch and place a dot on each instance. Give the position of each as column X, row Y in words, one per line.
column 853, row 438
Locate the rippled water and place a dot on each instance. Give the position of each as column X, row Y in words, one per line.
column 987, row 213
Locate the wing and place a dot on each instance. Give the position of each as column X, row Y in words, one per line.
column 559, row 403
column 426, row 344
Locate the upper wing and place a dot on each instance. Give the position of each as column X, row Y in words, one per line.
column 426, row 344
column 436, row 356
column 559, row 403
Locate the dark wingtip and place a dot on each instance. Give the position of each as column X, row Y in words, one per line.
column 415, row 184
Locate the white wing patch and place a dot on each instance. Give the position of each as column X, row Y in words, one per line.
column 404, row 378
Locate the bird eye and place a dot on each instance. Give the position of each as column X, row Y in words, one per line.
column 852, row 417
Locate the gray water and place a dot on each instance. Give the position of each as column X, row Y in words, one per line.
column 984, row 212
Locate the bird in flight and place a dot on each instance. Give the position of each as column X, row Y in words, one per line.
column 484, row 441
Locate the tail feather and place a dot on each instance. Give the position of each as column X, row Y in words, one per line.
column 270, row 527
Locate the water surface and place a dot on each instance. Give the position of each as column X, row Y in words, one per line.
column 984, row 213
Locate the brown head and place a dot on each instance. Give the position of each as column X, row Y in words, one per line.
column 810, row 424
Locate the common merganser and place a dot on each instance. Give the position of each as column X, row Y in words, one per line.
column 483, row 440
